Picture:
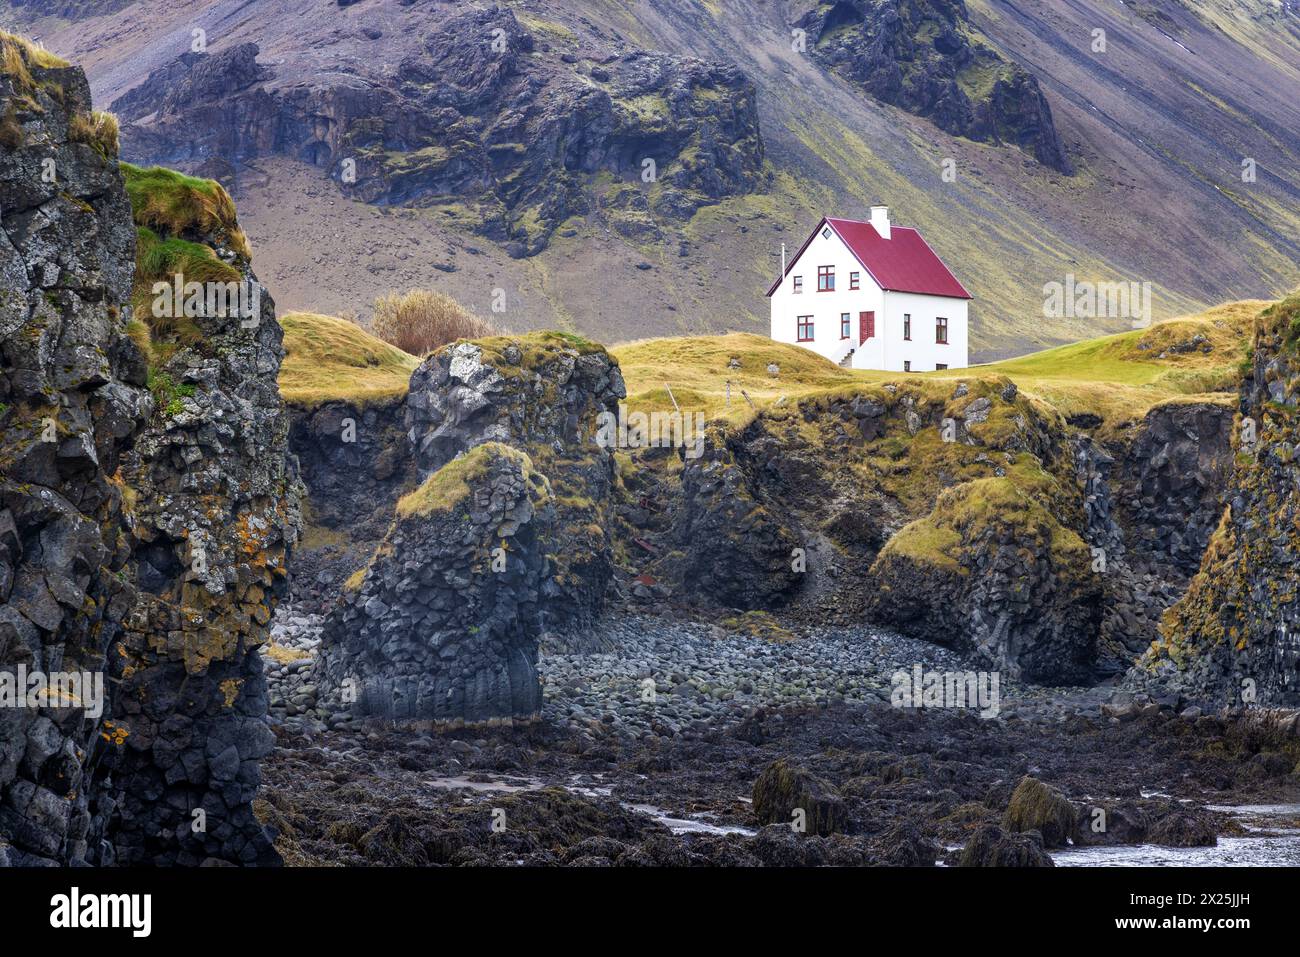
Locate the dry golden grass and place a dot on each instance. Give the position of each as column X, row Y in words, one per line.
column 98, row 129
column 1111, row 377
column 421, row 320
column 697, row 369
column 328, row 358
column 18, row 55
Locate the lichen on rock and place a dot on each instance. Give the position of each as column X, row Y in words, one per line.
column 146, row 504
column 442, row 626
column 1234, row 637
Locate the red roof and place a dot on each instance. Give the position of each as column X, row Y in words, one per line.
column 902, row 263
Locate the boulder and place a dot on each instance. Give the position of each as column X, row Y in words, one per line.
column 991, row 846
column 1036, row 806
column 782, row 789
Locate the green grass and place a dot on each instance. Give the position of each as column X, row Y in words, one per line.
column 449, row 486
column 328, row 358
column 1111, row 377
column 159, row 259
column 174, row 204
column 1115, row 378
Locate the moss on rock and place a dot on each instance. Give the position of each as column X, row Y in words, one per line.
column 1036, row 806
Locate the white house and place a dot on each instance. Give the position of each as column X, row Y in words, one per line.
column 872, row 296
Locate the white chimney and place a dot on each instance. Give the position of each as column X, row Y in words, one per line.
column 880, row 220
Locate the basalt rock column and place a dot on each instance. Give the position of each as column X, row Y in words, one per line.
column 543, row 393
column 72, row 398
column 442, row 626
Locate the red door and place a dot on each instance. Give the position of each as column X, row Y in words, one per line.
column 866, row 326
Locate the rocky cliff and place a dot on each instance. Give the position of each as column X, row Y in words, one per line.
column 72, row 398
column 214, row 514
column 147, row 501
column 1231, row 640
column 926, row 57
column 503, row 539
column 544, row 394
column 483, row 118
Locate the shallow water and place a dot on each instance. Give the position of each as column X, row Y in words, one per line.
column 692, row 825
column 1274, row 842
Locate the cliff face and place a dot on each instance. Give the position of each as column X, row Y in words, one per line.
column 482, row 118
column 215, row 512
column 503, row 538
column 1231, row 640
column 926, row 57
column 543, row 394
column 72, row 398
column 147, row 500
column 442, row 626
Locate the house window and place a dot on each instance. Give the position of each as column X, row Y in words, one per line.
column 853, row 280
column 805, row 328
column 798, row 284
column 826, row 233
column 907, row 326
column 845, row 324
column 940, row 366
column 941, row 331
column 825, row 278
column 907, row 365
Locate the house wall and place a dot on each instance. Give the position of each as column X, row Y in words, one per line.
column 887, row 350
column 825, row 307
column 921, row 350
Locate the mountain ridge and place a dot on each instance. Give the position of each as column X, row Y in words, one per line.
column 1155, row 136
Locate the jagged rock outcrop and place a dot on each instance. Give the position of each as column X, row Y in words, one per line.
column 1232, row 639
column 992, row 571
column 442, row 626
column 1171, row 483
column 214, row 515
column 544, row 393
column 998, row 566
column 1150, row 509
column 479, row 117
column 72, row 398
column 148, row 507
column 926, row 57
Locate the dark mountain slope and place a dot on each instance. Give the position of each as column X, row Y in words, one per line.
column 1155, row 130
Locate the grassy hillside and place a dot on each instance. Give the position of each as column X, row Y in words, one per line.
column 328, row 358
column 1157, row 129
column 1117, row 378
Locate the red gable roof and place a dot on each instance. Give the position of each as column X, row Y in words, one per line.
column 902, row 263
